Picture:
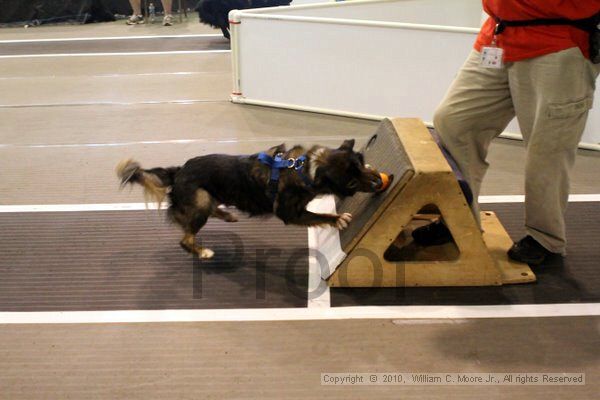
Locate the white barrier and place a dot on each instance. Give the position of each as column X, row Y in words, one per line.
column 368, row 59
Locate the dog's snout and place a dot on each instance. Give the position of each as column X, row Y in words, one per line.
column 371, row 180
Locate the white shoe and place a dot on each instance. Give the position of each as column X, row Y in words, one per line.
column 168, row 20
column 135, row 20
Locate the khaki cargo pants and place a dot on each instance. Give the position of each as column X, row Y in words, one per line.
column 550, row 96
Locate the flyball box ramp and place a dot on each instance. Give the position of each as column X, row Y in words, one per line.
column 423, row 182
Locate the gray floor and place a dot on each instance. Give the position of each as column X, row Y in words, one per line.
column 217, row 42
column 284, row 360
column 67, row 121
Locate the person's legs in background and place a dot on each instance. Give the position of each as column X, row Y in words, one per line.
column 136, row 17
column 552, row 96
column 168, row 18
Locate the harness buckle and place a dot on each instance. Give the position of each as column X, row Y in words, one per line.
column 291, row 162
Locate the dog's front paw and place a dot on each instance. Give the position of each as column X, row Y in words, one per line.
column 206, row 253
column 343, row 221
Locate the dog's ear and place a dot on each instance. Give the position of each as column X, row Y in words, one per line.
column 347, row 145
column 277, row 149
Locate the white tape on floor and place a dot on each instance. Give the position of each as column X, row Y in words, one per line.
column 521, row 198
column 182, row 73
column 264, row 139
column 78, row 207
column 101, row 103
column 320, row 256
column 302, row 314
column 139, row 53
column 142, row 206
column 85, row 39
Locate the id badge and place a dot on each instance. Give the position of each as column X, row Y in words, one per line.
column 491, row 57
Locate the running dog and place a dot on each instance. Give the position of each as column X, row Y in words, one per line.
column 278, row 181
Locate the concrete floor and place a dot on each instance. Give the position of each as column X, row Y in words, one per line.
column 284, row 360
column 66, row 122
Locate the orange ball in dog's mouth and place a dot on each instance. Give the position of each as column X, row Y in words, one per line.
column 385, row 179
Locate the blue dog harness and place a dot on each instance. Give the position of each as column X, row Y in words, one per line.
column 278, row 163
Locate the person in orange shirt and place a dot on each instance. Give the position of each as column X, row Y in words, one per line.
column 542, row 75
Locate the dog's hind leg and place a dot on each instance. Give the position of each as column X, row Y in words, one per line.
column 192, row 218
column 188, row 243
column 224, row 215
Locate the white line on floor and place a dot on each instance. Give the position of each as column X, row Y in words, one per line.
column 152, row 206
column 110, row 75
column 302, row 314
column 174, row 141
column 81, row 39
column 521, row 198
column 78, row 207
column 140, row 53
column 318, row 290
column 105, row 103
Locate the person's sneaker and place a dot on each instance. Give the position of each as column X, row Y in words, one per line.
column 433, row 234
column 135, row 20
column 529, row 251
column 168, row 20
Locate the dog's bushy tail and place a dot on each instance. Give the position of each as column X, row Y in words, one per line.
column 156, row 181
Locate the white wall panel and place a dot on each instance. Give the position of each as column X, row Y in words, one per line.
column 363, row 58
column 466, row 13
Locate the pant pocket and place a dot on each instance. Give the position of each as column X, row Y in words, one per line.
column 569, row 109
column 564, row 125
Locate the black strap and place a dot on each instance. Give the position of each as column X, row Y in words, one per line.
column 587, row 24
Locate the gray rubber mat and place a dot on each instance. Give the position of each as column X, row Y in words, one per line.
column 385, row 152
column 132, row 260
column 116, row 46
column 573, row 279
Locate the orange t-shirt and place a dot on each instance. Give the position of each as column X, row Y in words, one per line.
column 524, row 42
